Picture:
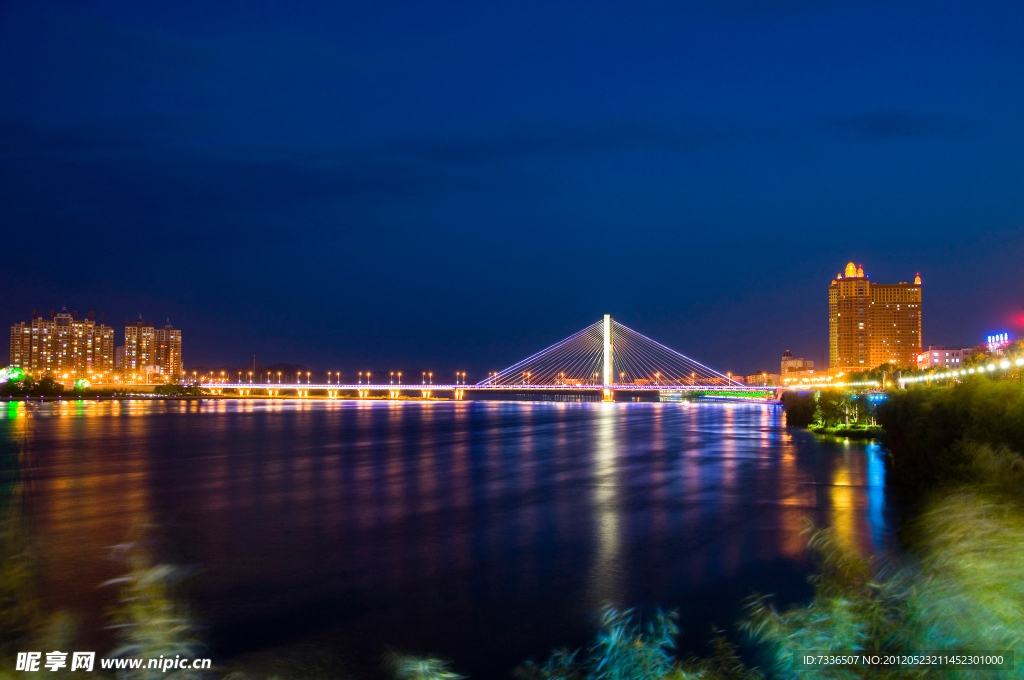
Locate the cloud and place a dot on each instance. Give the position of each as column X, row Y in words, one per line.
column 882, row 125
column 150, row 165
column 127, row 169
column 559, row 139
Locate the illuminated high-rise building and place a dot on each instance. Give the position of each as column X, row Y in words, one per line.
column 150, row 352
column 871, row 324
column 138, row 346
column 62, row 343
column 167, row 350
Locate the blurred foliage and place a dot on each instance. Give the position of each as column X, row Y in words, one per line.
column 970, row 594
column 852, row 609
column 626, row 649
column 148, row 621
column 407, row 667
column 20, row 608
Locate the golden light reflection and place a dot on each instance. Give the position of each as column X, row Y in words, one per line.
column 83, row 501
column 462, row 485
column 732, row 555
column 394, row 467
column 605, row 574
column 527, row 482
column 842, row 502
column 795, row 497
column 659, row 518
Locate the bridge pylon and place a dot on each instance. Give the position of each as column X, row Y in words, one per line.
column 607, row 350
column 605, row 356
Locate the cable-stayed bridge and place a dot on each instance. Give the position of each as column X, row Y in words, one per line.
column 603, row 358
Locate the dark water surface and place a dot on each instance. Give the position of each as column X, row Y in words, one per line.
column 485, row 532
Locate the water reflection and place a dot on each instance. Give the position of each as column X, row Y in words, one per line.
column 475, row 530
column 876, row 494
column 606, row 572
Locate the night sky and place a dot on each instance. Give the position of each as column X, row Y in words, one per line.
column 442, row 186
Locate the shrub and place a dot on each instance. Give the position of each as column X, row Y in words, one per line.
column 928, row 429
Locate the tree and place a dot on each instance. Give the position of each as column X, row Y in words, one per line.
column 800, row 408
column 46, row 387
column 833, row 407
column 26, row 386
column 174, row 390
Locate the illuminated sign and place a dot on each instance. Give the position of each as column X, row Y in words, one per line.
column 996, row 341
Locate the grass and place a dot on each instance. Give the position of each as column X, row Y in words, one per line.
column 850, row 432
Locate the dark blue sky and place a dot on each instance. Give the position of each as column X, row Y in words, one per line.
column 455, row 185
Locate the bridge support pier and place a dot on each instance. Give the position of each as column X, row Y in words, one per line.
column 607, row 350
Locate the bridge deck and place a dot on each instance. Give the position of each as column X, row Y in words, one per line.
column 376, row 387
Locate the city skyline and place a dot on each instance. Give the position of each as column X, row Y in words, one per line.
column 339, row 188
column 824, row 361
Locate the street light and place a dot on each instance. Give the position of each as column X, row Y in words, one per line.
column 307, row 377
column 430, row 377
column 399, row 377
column 360, row 377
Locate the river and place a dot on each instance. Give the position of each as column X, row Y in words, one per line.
column 485, row 532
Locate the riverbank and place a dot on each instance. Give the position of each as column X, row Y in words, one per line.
column 959, row 585
column 484, row 532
